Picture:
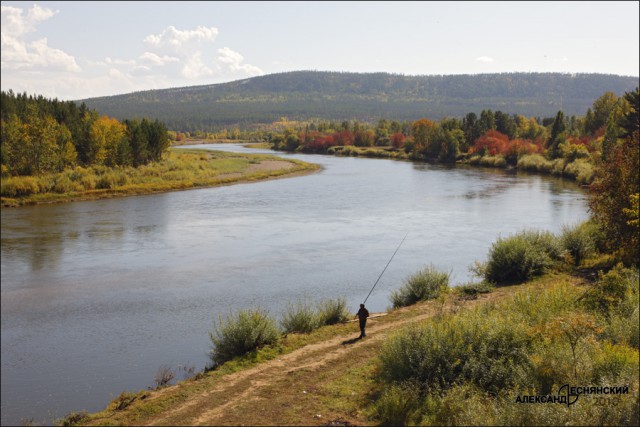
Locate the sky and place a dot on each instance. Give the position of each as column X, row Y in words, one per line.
column 76, row 50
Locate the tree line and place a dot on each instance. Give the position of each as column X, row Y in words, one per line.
column 312, row 95
column 41, row 135
column 493, row 133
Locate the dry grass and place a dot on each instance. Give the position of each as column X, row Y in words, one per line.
column 179, row 170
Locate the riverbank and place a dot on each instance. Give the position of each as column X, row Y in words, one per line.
column 578, row 170
column 329, row 377
column 179, row 170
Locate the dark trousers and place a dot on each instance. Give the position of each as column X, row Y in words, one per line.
column 363, row 323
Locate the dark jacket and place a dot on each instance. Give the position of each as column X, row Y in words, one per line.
column 363, row 313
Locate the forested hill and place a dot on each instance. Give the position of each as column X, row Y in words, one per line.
column 303, row 95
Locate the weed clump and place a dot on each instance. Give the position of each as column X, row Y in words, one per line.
column 423, row 285
column 332, row 311
column 522, row 256
column 300, row 317
column 579, row 240
column 241, row 333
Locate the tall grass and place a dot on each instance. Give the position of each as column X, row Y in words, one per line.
column 579, row 240
column 581, row 170
column 332, row 311
column 522, row 256
column 241, row 333
column 468, row 368
column 300, row 317
column 423, row 285
column 178, row 170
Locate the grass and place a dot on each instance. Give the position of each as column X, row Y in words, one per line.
column 467, row 368
column 426, row 284
column 181, row 169
column 348, row 389
column 521, row 256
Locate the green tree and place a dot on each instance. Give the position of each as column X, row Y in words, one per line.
column 487, row 121
column 505, row 124
column 602, row 108
column 613, row 197
column 557, row 135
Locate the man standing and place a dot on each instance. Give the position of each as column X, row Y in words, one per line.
column 362, row 315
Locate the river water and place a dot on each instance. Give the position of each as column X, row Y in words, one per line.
column 97, row 295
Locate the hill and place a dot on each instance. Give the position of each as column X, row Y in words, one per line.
column 314, row 95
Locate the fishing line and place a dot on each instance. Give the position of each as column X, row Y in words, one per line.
column 385, row 268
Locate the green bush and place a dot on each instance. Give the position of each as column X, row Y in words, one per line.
column 522, row 256
column 534, row 163
column 332, row 311
column 613, row 361
column 63, row 184
column 241, row 333
column 579, row 240
column 424, row 285
column 299, row 318
column 581, row 170
column 469, row 367
column 488, row 351
column 398, row 405
column 615, row 291
column 112, row 179
column 20, row 186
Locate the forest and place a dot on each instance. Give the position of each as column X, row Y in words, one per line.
column 560, row 145
column 41, row 135
column 366, row 97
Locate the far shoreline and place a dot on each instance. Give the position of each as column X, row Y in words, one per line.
column 260, row 168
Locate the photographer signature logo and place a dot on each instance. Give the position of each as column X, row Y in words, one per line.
column 568, row 395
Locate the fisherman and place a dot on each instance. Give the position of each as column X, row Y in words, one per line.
column 362, row 315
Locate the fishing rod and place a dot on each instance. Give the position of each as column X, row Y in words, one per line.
column 385, row 268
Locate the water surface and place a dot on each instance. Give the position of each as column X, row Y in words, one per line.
column 97, row 295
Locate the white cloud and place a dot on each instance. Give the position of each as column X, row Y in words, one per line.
column 20, row 54
column 141, row 70
column 17, row 24
column 116, row 61
column 170, row 58
column 173, row 38
column 157, row 59
column 484, row 59
column 234, row 60
column 195, row 68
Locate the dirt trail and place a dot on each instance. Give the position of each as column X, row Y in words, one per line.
column 290, row 389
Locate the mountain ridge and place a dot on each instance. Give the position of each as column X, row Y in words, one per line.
column 328, row 95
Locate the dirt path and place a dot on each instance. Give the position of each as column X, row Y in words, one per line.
column 294, row 388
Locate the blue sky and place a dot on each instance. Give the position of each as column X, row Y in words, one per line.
column 73, row 50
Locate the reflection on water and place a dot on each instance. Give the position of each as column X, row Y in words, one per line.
column 97, row 295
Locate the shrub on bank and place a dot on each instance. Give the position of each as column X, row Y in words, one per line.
column 241, row 333
column 522, row 256
column 579, row 240
column 535, row 163
column 19, row 186
column 489, row 352
column 300, row 317
column 468, row 368
column 332, row 311
column 580, row 170
column 423, row 285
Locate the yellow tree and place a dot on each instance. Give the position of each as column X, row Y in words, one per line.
column 105, row 136
column 422, row 131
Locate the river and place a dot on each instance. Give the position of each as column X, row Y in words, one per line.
column 97, row 295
